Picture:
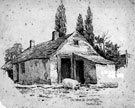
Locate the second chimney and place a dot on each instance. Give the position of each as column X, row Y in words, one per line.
column 32, row 43
column 55, row 35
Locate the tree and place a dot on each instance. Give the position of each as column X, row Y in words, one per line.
column 89, row 27
column 60, row 20
column 112, row 50
column 100, row 41
column 13, row 52
column 79, row 25
column 106, row 48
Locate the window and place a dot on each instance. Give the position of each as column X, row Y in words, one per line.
column 76, row 42
column 23, row 67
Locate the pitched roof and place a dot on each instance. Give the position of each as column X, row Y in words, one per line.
column 46, row 49
column 95, row 58
column 7, row 66
column 43, row 50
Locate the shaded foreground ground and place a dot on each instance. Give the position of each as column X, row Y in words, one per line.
column 47, row 96
column 92, row 97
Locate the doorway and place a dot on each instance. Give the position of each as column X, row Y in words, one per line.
column 17, row 70
column 10, row 74
column 65, row 68
column 80, row 71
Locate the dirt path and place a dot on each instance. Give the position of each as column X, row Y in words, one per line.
column 83, row 98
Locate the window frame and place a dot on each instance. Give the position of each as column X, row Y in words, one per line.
column 76, row 42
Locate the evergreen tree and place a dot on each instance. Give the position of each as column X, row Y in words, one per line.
column 60, row 20
column 79, row 24
column 89, row 27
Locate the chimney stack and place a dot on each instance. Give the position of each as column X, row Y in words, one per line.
column 32, row 43
column 55, row 35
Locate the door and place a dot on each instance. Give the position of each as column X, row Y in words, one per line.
column 65, row 68
column 80, row 71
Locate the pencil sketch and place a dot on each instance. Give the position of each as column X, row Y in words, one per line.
column 61, row 54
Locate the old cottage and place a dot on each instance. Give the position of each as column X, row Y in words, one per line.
column 62, row 57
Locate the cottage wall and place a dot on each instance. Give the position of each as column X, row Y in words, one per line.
column 105, row 73
column 36, row 70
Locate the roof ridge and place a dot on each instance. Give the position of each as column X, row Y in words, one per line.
column 44, row 49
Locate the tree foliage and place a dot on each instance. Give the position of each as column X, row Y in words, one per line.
column 106, row 48
column 100, row 43
column 60, row 20
column 13, row 52
column 89, row 27
column 79, row 24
